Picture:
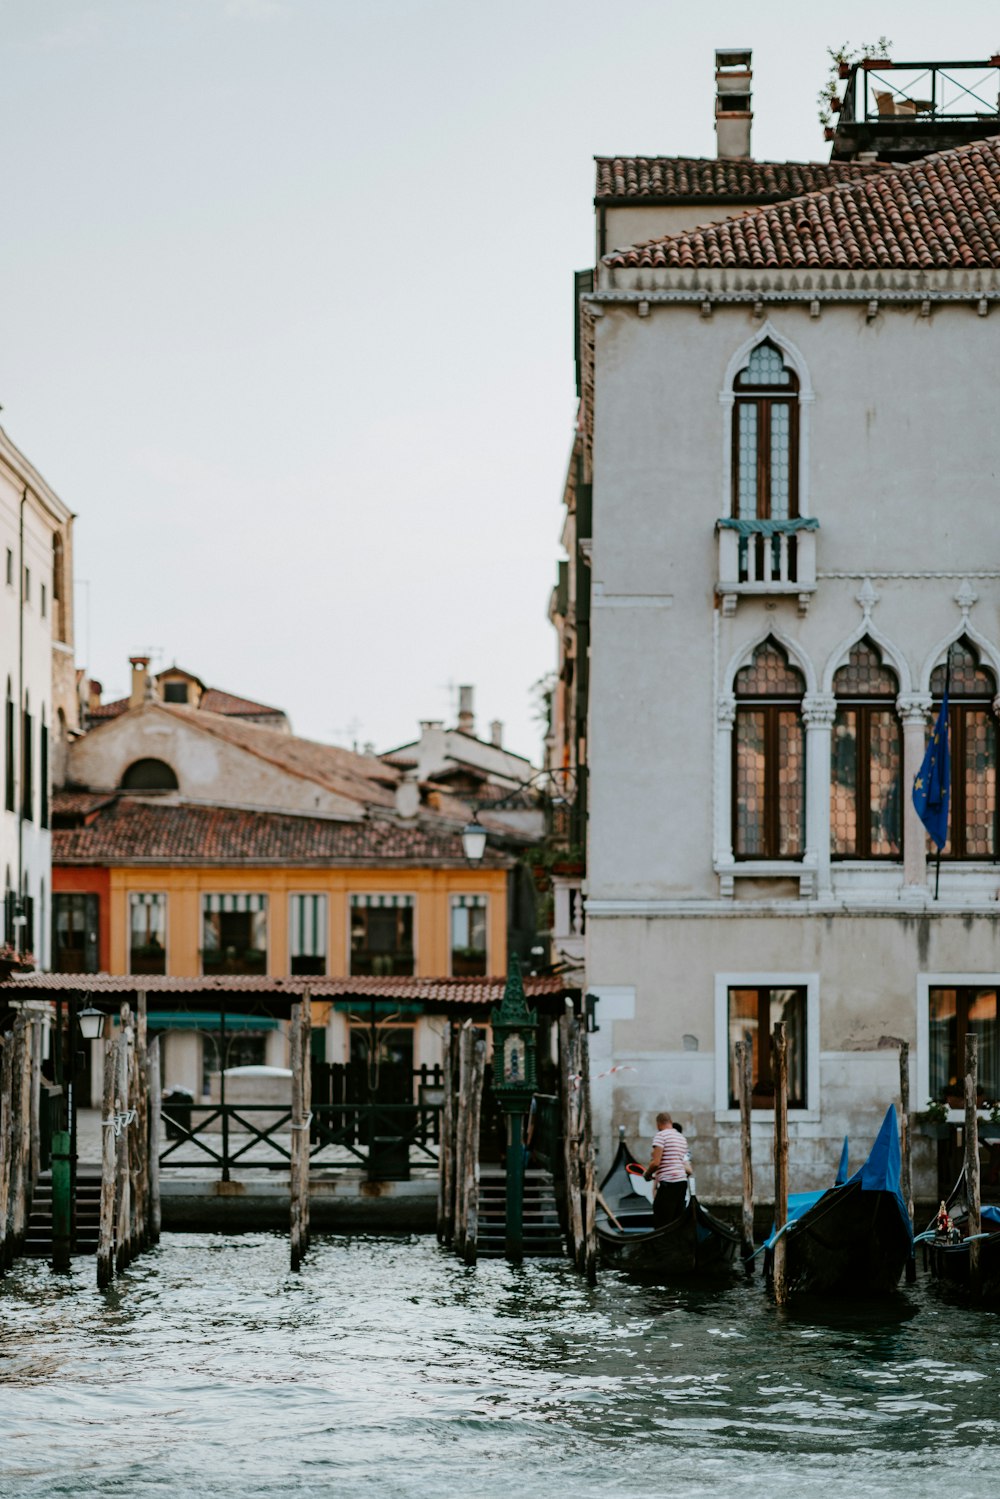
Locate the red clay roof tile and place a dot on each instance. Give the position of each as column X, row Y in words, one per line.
column 711, row 179
column 938, row 213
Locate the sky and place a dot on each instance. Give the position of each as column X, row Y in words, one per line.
column 286, row 312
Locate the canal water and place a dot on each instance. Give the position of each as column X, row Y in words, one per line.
column 386, row 1368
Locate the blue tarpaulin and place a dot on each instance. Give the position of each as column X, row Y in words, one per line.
column 880, row 1173
column 989, row 1214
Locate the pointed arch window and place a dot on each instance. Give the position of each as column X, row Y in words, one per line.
column 769, row 758
column 972, row 729
column 866, row 762
column 765, row 438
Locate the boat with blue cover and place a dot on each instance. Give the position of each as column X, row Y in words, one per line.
column 855, row 1238
column 694, row 1244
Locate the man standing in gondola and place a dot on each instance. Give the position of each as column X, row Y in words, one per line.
column 669, row 1168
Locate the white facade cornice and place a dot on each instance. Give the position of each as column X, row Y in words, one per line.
column 26, row 476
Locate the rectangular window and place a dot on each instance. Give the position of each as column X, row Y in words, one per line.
column 752, row 1013
column 307, row 929
column 382, row 935
column 175, row 692
column 43, row 775
column 27, row 789
column 954, row 1012
column 769, row 784
column 468, row 935
column 9, row 755
column 234, row 933
column 147, row 933
column 75, row 933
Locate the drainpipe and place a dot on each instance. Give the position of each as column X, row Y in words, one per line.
column 19, row 756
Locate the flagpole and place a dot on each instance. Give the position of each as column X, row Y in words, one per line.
column 947, row 693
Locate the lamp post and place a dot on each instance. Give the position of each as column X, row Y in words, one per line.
column 556, row 788
column 514, row 1082
column 91, row 1026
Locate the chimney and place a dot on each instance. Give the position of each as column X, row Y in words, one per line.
column 733, row 77
column 466, row 712
column 496, row 733
column 140, row 680
column 94, row 690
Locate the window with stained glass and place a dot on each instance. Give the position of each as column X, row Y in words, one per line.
column 972, row 727
column 769, row 759
column 866, row 760
column 765, row 438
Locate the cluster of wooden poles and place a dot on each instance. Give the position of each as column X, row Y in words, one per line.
column 458, row 1172
column 130, row 1151
column 20, row 1131
column 458, row 1164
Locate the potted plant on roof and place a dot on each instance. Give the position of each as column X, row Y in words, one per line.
column 12, row 961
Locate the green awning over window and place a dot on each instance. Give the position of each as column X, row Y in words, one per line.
column 207, row 1020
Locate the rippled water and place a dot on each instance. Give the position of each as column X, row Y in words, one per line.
column 387, row 1369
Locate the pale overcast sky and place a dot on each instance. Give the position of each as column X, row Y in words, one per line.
column 285, row 311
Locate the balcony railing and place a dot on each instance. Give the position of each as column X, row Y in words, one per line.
column 766, row 557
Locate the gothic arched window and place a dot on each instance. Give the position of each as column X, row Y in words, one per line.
column 769, row 758
column 765, row 438
column 972, row 730
column 866, row 761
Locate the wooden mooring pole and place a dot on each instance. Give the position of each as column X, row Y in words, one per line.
column 154, row 1093
column 465, row 1062
column 569, row 1089
column 6, row 1073
column 106, row 1231
column 123, row 1185
column 780, row 1046
column 744, row 1086
column 470, row 1187
column 295, row 1148
column 446, row 1159
column 972, row 1187
column 905, row 1146
column 589, row 1213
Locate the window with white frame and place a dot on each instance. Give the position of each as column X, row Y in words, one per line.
column 382, row 935
column 747, row 1007
column 307, row 929
column 468, row 935
column 234, row 933
column 954, row 1011
column 147, row 932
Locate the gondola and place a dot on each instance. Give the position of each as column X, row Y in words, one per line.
column 948, row 1257
column 855, row 1238
column 695, row 1244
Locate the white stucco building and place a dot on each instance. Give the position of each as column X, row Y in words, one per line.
column 789, row 443
column 38, row 688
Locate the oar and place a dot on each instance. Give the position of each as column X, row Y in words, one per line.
column 610, row 1214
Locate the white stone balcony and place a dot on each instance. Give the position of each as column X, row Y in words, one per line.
column 568, row 917
column 764, row 558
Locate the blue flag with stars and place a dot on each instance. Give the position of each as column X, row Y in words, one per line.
column 932, row 784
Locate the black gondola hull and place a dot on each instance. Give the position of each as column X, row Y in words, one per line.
column 952, row 1263
column 851, row 1243
column 695, row 1244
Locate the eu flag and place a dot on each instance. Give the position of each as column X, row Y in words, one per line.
column 932, row 785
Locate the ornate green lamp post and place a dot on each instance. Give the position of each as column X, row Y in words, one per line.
column 514, row 1082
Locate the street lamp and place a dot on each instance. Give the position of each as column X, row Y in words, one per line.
column 514, row 1082
column 91, row 1023
column 560, row 794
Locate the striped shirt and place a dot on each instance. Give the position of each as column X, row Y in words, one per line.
column 674, row 1148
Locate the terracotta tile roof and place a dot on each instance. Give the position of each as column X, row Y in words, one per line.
column 441, row 993
column 130, row 830
column 215, row 701
column 693, row 179
column 360, row 778
column 940, row 212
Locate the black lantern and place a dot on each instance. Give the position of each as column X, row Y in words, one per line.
column 91, row 1023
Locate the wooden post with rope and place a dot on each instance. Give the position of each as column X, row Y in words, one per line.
column 106, row 1231
column 744, row 1085
column 974, row 1221
column 780, row 1045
